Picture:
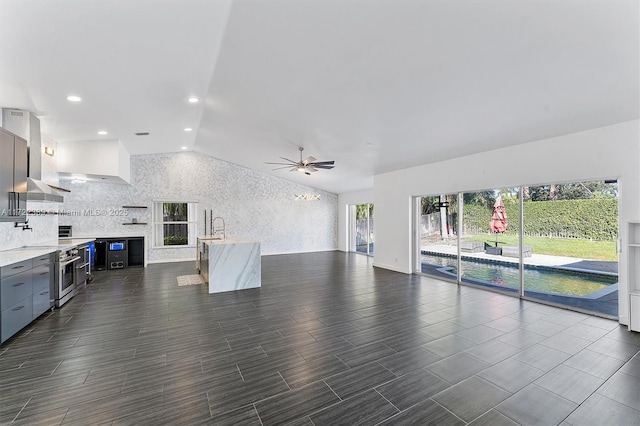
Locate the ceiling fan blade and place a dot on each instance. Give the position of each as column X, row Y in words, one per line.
column 321, row 163
column 284, row 164
column 307, row 166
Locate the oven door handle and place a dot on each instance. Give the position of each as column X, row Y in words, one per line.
column 66, row 262
column 82, row 266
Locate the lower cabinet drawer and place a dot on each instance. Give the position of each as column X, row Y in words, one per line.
column 42, row 298
column 15, row 268
column 14, row 289
column 44, row 259
column 41, row 275
column 15, row 318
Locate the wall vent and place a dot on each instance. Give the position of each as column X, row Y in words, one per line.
column 142, row 134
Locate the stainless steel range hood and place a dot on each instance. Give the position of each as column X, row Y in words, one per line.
column 37, row 190
column 27, row 126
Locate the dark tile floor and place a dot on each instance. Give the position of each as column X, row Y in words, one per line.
column 327, row 340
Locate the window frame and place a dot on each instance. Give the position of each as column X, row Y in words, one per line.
column 158, row 222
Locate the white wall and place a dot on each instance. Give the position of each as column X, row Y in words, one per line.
column 124, row 163
column 254, row 205
column 607, row 152
column 344, row 201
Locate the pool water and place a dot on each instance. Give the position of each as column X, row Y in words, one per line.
column 535, row 279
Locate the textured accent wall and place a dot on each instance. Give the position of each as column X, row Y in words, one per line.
column 254, row 205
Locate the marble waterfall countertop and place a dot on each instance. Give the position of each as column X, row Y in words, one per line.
column 19, row 254
column 230, row 264
column 211, row 240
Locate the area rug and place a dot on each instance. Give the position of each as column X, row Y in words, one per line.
column 190, row 280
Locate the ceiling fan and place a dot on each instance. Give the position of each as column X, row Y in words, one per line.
column 308, row 165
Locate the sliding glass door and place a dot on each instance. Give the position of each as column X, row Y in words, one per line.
column 551, row 243
column 363, row 228
column 437, row 235
column 569, row 250
column 490, row 241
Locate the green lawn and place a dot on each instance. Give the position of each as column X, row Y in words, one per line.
column 584, row 249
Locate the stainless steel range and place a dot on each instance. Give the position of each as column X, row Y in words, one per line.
column 67, row 284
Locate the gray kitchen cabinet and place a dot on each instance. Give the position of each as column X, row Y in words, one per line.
column 13, row 177
column 15, row 318
column 42, row 283
column 26, row 292
column 15, row 288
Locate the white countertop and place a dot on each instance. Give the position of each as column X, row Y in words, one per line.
column 9, row 257
column 67, row 243
column 98, row 235
column 210, row 240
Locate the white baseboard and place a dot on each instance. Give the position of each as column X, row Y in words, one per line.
column 191, row 259
column 298, row 252
column 391, row 268
column 623, row 319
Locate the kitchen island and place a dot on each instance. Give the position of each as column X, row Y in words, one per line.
column 229, row 264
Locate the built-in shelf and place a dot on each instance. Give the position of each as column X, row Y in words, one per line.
column 135, row 223
column 134, row 207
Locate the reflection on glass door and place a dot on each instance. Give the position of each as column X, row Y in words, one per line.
column 569, row 249
column 364, row 229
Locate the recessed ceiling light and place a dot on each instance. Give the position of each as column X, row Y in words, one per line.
column 184, row 147
column 103, row 132
column 74, row 98
column 188, row 129
column 193, row 100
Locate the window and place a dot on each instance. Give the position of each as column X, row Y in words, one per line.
column 174, row 223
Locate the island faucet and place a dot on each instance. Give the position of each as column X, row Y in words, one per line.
column 219, row 230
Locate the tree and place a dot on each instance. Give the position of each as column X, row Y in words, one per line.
column 482, row 198
column 573, row 191
column 363, row 211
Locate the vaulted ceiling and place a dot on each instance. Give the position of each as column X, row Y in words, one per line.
column 376, row 85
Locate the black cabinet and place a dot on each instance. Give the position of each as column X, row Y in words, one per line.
column 118, row 253
column 135, row 252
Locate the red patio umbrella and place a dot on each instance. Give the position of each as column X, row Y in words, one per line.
column 498, row 223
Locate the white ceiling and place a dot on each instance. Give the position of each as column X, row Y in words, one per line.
column 376, row 85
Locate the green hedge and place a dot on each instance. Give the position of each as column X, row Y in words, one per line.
column 595, row 218
column 175, row 240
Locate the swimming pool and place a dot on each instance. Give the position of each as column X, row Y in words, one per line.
column 535, row 278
